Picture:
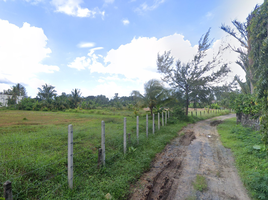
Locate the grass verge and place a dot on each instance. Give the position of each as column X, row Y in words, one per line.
column 250, row 156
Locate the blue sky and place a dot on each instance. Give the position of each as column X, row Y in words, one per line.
column 106, row 46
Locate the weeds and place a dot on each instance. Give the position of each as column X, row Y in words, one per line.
column 200, row 183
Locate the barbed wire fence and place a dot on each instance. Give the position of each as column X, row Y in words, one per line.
column 68, row 172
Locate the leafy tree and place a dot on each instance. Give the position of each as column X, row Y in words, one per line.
column 191, row 77
column 47, row 93
column 242, row 34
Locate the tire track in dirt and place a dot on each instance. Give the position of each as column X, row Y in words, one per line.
column 198, row 150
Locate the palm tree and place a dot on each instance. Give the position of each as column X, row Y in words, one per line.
column 76, row 97
column 47, row 92
column 155, row 94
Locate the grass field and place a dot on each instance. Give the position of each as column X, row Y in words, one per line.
column 250, row 156
column 33, row 152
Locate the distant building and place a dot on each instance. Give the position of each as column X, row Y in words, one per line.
column 4, row 99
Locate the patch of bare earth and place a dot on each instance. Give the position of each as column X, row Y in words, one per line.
column 197, row 150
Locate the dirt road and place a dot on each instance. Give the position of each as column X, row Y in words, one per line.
column 198, row 151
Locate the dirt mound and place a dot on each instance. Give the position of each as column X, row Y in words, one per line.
column 187, row 138
column 216, row 122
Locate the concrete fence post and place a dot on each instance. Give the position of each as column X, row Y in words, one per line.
column 70, row 156
column 103, row 142
column 147, row 125
column 8, row 191
column 158, row 121
column 125, row 135
column 162, row 118
column 166, row 117
column 153, row 123
column 137, row 129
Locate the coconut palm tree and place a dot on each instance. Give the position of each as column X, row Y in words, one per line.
column 47, row 92
column 76, row 97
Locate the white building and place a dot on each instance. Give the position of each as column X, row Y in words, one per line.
column 4, row 99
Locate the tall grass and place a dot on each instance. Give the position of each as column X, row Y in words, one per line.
column 250, row 156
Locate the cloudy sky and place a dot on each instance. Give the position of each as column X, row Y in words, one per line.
column 106, row 46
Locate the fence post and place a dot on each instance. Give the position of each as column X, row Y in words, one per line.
column 8, row 191
column 191, row 113
column 147, row 125
column 162, row 119
column 103, row 141
column 158, row 121
column 200, row 113
column 70, row 156
column 153, row 123
column 196, row 113
column 137, row 129
column 166, row 117
column 125, row 135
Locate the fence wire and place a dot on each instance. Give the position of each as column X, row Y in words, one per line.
column 36, row 169
column 32, row 154
column 61, row 172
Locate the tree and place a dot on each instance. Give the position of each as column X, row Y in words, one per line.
column 191, row 77
column 242, row 34
column 16, row 91
column 47, row 92
column 76, row 97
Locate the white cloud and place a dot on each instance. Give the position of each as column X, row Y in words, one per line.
column 22, row 51
column 73, row 8
column 136, row 61
column 86, row 44
column 209, row 15
column 125, row 21
column 145, row 7
column 80, row 63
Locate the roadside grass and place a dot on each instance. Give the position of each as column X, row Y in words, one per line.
column 250, row 156
column 33, row 152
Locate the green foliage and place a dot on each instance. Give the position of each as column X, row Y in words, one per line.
column 250, row 156
column 247, row 104
column 215, row 106
column 200, row 183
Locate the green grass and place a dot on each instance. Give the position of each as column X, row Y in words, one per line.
column 200, row 183
column 33, row 152
column 252, row 163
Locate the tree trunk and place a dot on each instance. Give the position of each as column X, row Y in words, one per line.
column 187, row 102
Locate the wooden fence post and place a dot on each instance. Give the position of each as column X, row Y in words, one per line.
column 162, row 118
column 166, row 117
column 70, row 156
column 8, row 191
column 137, row 129
column 125, row 135
column 147, row 125
column 153, row 123
column 103, row 141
